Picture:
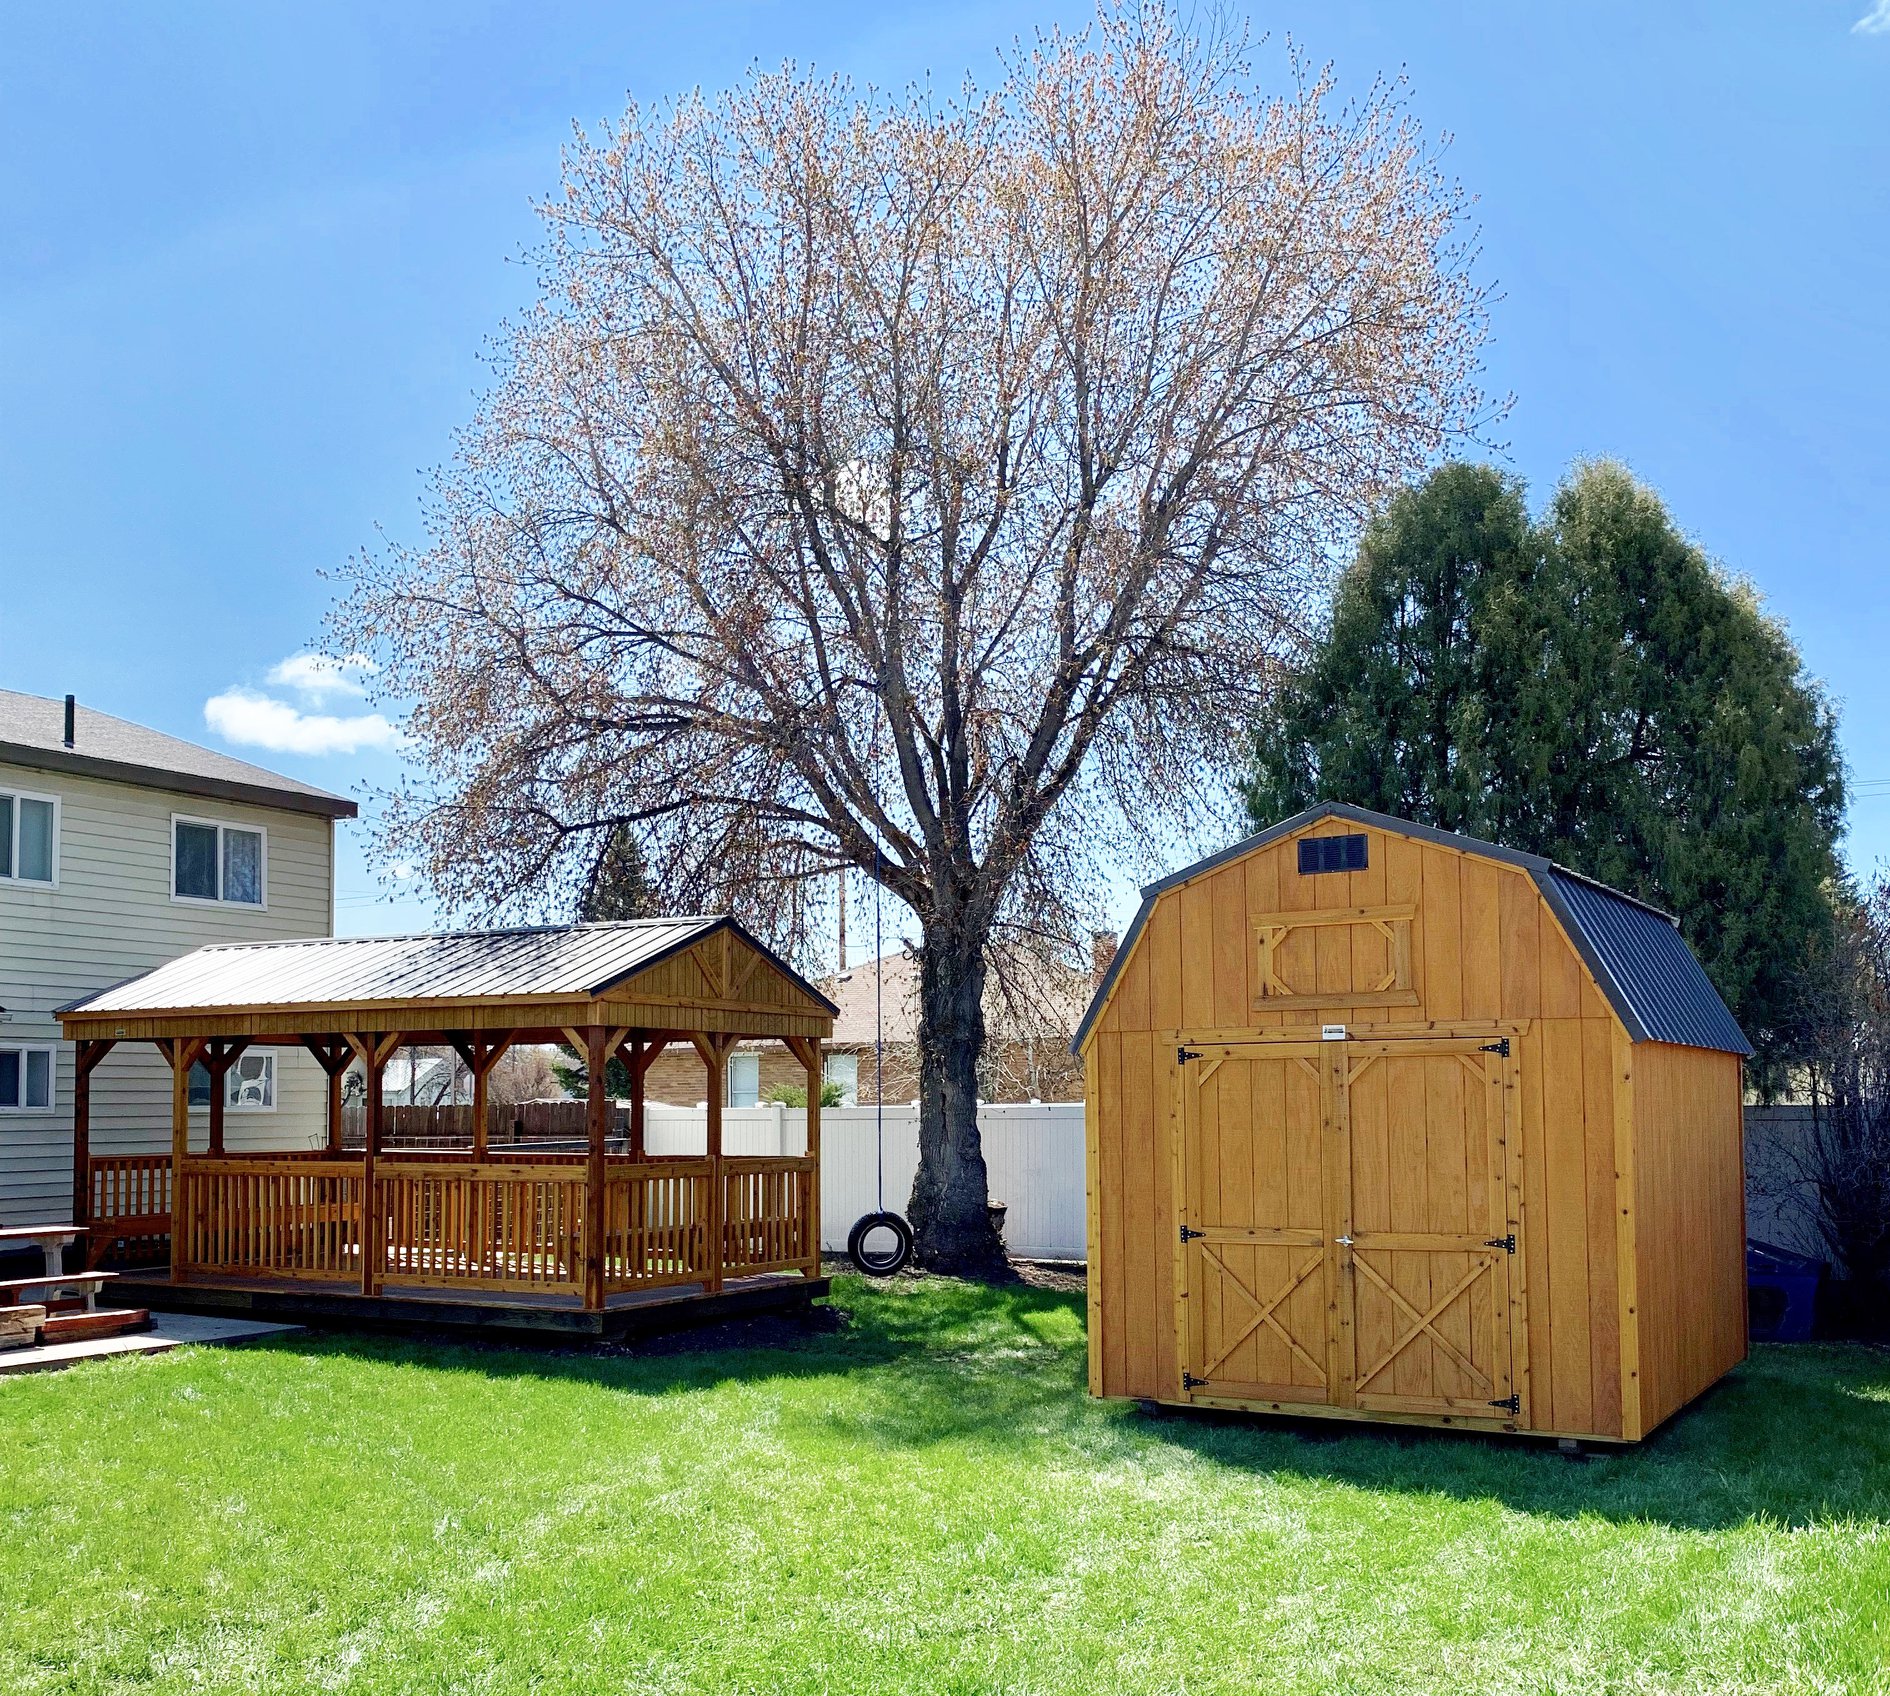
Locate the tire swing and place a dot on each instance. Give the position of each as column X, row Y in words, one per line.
column 878, row 1259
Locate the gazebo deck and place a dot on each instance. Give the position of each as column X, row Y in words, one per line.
column 549, row 1317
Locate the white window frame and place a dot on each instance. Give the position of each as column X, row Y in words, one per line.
column 229, row 1080
column 748, row 1058
column 828, row 1075
column 13, row 880
column 220, row 826
column 51, row 1051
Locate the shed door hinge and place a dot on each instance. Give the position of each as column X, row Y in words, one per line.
column 1184, row 1055
column 1190, row 1382
column 1499, row 1046
column 1506, row 1244
column 1189, row 1236
column 1510, row 1404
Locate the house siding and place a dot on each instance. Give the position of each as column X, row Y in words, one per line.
column 111, row 917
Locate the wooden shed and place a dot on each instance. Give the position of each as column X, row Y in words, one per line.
column 1387, row 1123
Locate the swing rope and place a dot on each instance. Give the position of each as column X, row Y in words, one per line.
column 879, row 1263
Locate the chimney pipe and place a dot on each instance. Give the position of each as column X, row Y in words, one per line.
column 72, row 713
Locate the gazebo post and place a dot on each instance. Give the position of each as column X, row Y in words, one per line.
column 808, row 1047
column 89, row 1052
column 479, row 1073
column 335, row 1075
column 596, row 1127
column 635, row 1064
column 374, row 1050
column 713, row 1049
column 182, row 1053
column 332, row 1055
column 219, row 1057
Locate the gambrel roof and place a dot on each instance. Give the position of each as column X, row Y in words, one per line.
column 1635, row 952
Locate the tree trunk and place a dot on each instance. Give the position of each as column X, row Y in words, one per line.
column 950, row 1194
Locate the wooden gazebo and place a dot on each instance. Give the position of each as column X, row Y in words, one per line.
column 508, row 1236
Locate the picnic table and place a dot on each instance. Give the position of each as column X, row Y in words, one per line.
column 51, row 1240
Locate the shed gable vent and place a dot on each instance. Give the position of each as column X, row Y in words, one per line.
column 1331, row 854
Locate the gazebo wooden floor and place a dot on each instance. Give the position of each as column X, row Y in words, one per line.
column 626, row 1313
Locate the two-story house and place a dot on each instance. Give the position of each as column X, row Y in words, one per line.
column 121, row 848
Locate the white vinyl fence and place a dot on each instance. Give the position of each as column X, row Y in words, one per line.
column 1034, row 1153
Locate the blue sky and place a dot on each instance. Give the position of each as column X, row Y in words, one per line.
column 253, row 253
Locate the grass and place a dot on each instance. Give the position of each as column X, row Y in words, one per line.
column 923, row 1499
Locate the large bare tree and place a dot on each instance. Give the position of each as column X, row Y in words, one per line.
column 919, row 486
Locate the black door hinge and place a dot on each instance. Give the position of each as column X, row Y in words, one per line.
column 1499, row 1046
column 1188, row 1235
column 1184, row 1055
column 1190, row 1382
column 1510, row 1404
column 1506, row 1244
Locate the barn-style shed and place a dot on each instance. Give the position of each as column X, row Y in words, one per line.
column 1389, row 1123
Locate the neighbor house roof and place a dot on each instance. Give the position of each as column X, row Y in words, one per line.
column 1056, row 995
column 1639, row 960
column 541, row 961
column 33, row 729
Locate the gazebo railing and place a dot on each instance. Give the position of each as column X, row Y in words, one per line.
column 484, row 1226
column 507, row 1226
column 656, row 1223
column 289, row 1218
column 129, row 1206
column 766, row 1212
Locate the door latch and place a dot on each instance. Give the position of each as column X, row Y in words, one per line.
column 1343, row 1242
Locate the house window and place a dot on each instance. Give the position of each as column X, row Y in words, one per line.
column 744, row 1080
column 844, row 1070
column 217, row 862
column 248, row 1087
column 29, row 838
column 1331, row 854
column 26, row 1079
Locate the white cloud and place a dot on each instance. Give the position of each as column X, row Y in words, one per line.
column 1874, row 22
column 259, row 721
column 317, row 676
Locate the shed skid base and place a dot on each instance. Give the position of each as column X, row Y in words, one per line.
column 520, row 1319
column 1374, row 1416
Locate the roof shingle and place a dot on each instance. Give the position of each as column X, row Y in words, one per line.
column 32, row 734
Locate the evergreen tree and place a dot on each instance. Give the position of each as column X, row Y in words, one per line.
column 614, row 889
column 1590, row 688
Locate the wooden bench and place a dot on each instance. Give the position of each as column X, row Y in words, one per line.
column 53, row 1285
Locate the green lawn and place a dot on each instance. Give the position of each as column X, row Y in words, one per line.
column 921, row 1500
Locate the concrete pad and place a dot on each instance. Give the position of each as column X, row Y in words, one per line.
column 167, row 1331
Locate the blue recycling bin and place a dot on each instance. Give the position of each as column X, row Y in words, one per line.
column 1781, row 1293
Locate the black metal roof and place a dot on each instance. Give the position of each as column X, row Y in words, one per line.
column 1634, row 951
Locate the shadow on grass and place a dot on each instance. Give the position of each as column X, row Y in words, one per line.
column 938, row 1324
column 1796, row 1437
column 1799, row 1436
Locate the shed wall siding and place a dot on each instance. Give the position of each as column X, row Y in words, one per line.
column 1690, row 1222
column 110, row 917
column 1485, row 948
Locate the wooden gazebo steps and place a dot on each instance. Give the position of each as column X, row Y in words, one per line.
column 547, row 1317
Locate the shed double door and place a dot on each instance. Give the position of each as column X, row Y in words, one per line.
column 1346, row 1230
